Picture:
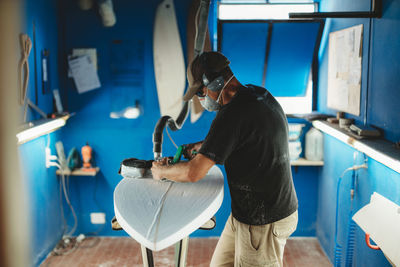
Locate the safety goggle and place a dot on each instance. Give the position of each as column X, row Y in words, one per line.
column 200, row 92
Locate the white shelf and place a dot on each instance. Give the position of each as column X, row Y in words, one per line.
column 80, row 172
column 305, row 162
column 380, row 150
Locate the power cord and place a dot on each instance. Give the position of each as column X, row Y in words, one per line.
column 68, row 243
column 170, row 138
column 69, row 204
column 338, row 247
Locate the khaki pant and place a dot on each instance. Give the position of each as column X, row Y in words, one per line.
column 253, row 245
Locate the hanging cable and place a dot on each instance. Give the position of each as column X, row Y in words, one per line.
column 62, row 209
column 70, row 206
column 338, row 247
column 67, row 244
column 66, row 197
column 170, row 138
column 26, row 47
column 196, row 24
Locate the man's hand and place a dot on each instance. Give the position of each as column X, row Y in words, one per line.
column 158, row 167
column 184, row 171
column 190, row 150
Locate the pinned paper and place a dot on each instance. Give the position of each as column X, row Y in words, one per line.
column 381, row 219
column 79, row 52
column 345, row 69
column 91, row 52
column 84, row 74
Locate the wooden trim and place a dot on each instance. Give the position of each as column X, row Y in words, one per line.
column 305, row 162
column 80, row 172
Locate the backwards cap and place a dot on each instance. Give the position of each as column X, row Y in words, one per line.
column 209, row 63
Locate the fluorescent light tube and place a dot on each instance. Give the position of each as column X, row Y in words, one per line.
column 40, row 129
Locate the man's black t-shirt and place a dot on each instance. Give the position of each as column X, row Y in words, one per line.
column 249, row 135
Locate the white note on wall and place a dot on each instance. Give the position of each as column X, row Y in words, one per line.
column 91, row 52
column 84, row 74
column 345, row 69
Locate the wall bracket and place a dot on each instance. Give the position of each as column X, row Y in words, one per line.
column 375, row 13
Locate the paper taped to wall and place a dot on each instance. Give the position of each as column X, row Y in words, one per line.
column 91, row 52
column 345, row 69
column 84, row 74
column 381, row 219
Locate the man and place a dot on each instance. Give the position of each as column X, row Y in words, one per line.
column 249, row 135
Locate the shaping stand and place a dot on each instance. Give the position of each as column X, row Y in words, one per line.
column 181, row 248
column 180, row 254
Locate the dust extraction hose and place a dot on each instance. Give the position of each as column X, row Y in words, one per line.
column 201, row 30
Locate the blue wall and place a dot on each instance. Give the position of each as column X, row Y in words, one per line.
column 44, row 14
column 377, row 178
column 379, row 106
column 46, row 224
column 42, row 184
column 306, row 183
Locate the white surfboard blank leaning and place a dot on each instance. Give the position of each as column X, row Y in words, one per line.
column 169, row 64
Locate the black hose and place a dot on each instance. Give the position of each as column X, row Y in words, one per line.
column 172, row 124
column 201, row 31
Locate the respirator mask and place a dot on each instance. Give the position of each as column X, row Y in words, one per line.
column 206, row 101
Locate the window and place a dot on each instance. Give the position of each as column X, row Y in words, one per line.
column 270, row 51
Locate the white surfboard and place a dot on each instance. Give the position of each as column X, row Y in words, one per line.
column 169, row 64
column 158, row 214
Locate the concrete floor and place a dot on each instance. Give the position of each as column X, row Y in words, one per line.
column 124, row 251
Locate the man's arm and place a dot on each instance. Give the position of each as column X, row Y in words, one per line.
column 191, row 150
column 190, row 171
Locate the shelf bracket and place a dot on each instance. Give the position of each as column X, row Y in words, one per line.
column 375, row 13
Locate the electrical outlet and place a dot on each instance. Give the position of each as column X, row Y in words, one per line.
column 98, row 218
column 49, row 157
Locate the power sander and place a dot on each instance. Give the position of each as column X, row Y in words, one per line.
column 137, row 168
